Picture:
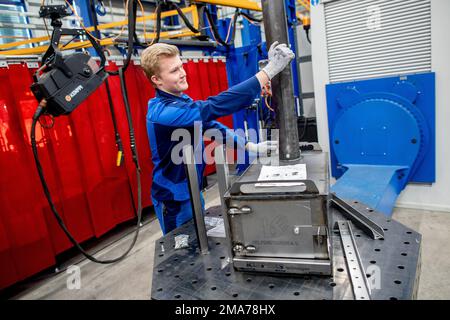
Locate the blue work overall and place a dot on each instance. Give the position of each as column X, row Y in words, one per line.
column 167, row 113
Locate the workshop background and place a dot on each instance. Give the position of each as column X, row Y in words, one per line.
column 96, row 194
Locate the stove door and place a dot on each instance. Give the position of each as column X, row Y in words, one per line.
column 284, row 228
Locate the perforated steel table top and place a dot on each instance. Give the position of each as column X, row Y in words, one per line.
column 392, row 266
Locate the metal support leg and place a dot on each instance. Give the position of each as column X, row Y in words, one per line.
column 197, row 209
column 223, row 180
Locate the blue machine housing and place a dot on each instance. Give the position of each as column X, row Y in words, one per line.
column 382, row 136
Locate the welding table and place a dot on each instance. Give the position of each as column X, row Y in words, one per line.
column 392, row 267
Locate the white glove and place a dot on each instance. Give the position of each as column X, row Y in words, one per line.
column 272, row 50
column 279, row 57
column 262, row 147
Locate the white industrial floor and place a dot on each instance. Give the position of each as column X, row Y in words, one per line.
column 132, row 277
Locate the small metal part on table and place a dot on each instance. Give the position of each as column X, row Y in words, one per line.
column 392, row 268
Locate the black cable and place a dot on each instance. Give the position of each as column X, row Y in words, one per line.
column 185, row 19
column 216, row 32
column 136, row 40
column 306, row 28
column 114, row 120
column 251, row 18
column 93, row 14
column 37, row 115
column 134, row 154
column 108, row 90
column 214, row 28
column 68, row 42
column 235, row 17
column 132, row 10
column 158, row 23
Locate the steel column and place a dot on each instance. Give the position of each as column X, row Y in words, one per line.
column 283, row 96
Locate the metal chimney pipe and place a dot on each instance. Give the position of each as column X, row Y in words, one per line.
column 275, row 26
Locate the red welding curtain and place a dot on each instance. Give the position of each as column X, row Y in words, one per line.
column 78, row 155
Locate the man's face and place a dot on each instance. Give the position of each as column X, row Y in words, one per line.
column 171, row 77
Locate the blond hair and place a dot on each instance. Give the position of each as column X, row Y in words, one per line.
column 150, row 57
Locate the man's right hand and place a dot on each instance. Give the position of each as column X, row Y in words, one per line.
column 262, row 148
column 279, row 57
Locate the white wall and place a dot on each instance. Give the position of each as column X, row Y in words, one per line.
column 320, row 71
column 436, row 196
column 306, row 72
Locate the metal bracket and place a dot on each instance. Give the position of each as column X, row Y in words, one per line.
column 356, row 271
column 223, row 180
column 361, row 220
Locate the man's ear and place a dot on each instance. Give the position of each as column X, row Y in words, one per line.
column 155, row 79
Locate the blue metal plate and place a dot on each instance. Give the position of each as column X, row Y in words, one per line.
column 389, row 121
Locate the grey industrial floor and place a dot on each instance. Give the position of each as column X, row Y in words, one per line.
column 132, row 277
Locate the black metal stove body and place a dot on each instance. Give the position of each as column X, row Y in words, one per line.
column 281, row 229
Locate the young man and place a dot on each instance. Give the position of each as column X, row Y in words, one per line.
column 171, row 110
